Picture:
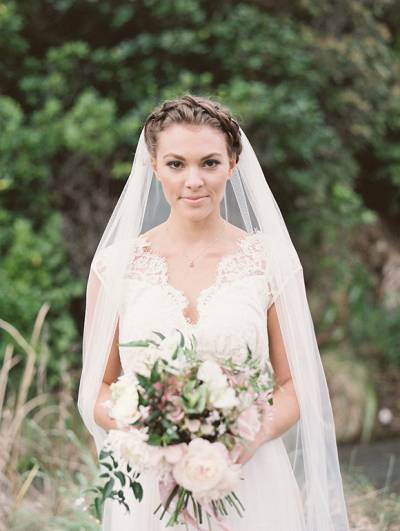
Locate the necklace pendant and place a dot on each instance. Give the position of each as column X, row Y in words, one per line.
column 191, row 263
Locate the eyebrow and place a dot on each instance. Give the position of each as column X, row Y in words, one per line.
column 183, row 158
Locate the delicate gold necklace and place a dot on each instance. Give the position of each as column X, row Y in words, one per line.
column 192, row 260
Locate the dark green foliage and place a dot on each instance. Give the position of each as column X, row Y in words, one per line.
column 314, row 84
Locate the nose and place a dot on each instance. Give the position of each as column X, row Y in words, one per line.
column 193, row 178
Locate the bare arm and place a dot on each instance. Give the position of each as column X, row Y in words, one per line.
column 113, row 370
column 285, row 404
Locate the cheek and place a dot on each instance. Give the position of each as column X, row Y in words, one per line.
column 218, row 184
column 170, row 186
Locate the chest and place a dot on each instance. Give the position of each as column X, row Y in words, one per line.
column 230, row 316
column 226, row 302
column 223, row 305
column 188, row 284
column 224, row 286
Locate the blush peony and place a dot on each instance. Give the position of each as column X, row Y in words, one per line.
column 204, row 467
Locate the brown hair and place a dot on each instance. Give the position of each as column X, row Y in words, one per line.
column 193, row 110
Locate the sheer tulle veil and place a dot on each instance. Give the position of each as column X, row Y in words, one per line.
column 248, row 203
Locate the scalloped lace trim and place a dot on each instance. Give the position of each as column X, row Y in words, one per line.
column 248, row 260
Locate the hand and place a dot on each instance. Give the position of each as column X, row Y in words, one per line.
column 118, row 425
column 243, row 452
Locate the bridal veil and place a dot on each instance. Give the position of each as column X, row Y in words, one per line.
column 248, row 203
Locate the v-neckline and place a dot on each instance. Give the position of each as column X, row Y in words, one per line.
column 179, row 293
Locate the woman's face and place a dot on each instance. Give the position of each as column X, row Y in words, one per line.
column 193, row 166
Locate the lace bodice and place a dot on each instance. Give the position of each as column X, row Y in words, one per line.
column 231, row 311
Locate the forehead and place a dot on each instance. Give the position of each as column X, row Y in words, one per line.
column 191, row 140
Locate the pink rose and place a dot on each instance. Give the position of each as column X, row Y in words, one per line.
column 239, row 379
column 175, row 452
column 176, row 415
column 172, row 454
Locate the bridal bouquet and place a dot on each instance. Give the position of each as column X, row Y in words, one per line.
column 182, row 416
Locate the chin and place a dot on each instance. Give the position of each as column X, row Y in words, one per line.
column 195, row 214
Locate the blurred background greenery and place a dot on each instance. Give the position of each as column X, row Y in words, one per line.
column 315, row 85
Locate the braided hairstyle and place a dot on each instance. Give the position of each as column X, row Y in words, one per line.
column 193, row 110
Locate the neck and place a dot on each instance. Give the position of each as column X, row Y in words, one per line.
column 188, row 231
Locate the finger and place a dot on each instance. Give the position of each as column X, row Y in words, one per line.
column 236, row 452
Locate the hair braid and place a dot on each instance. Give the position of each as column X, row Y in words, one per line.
column 193, row 110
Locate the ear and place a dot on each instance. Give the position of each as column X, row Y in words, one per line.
column 154, row 166
column 232, row 166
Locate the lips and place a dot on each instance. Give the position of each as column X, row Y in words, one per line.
column 194, row 200
column 194, row 197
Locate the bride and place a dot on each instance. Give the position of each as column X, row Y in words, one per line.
column 197, row 242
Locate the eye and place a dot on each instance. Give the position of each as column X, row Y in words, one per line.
column 173, row 163
column 170, row 163
column 213, row 160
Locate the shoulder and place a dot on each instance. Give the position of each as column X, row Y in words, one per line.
column 108, row 258
column 152, row 238
column 149, row 234
column 255, row 243
column 237, row 234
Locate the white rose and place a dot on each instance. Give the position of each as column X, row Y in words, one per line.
column 211, row 373
column 203, row 467
column 223, row 398
column 126, row 407
column 130, row 447
column 125, row 398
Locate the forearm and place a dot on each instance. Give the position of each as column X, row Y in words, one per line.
column 101, row 416
column 284, row 412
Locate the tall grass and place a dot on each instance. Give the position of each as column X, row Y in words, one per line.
column 44, row 464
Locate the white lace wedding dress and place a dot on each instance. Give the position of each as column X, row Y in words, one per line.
column 231, row 312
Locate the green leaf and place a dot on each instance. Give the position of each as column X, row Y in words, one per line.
column 159, row 334
column 98, row 505
column 182, row 340
column 121, row 477
column 154, row 439
column 103, row 454
column 175, row 353
column 143, row 381
column 137, row 490
column 155, row 374
column 108, row 488
column 137, row 343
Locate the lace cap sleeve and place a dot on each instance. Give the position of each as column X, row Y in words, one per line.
column 276, row 274
column 264, row 266
column 108, row 261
